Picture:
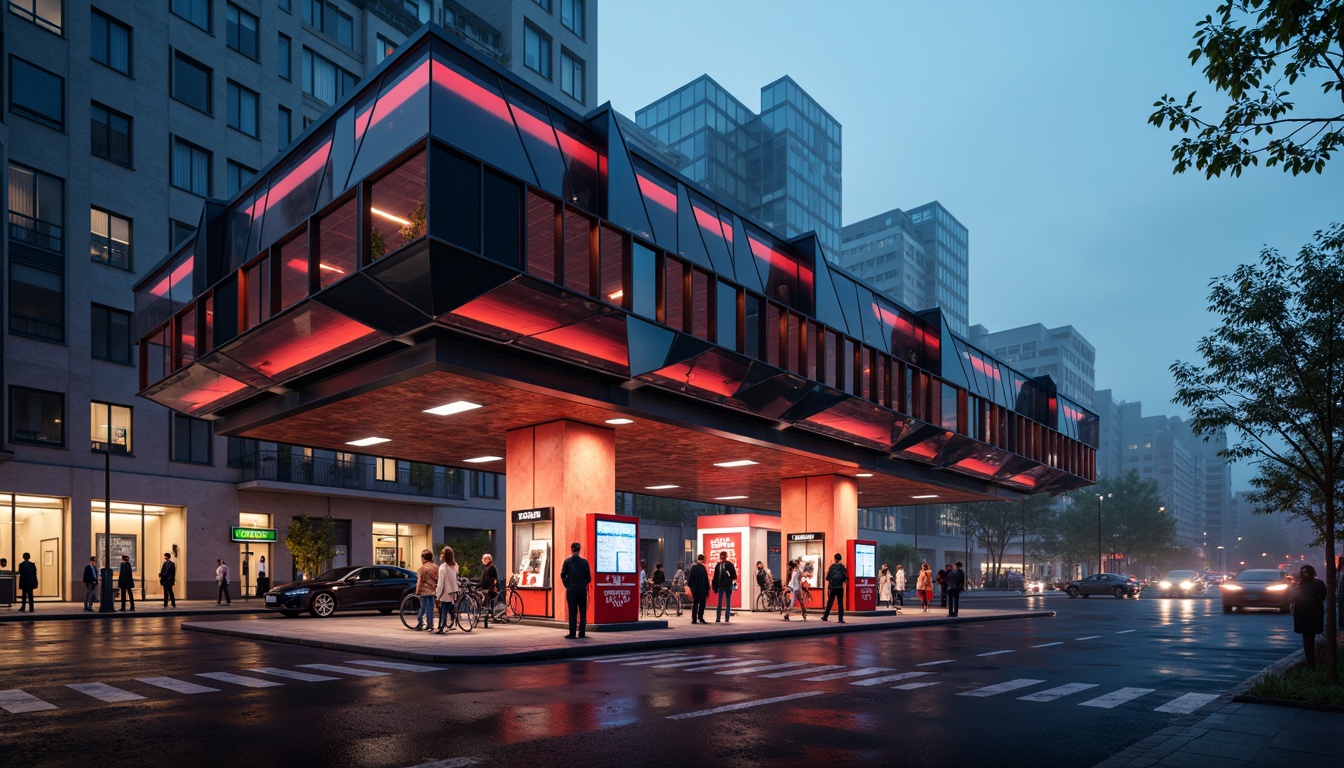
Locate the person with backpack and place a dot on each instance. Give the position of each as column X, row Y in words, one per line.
column 837, row 576
column 941, row 580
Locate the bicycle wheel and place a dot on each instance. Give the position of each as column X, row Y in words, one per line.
column 659, row 606
column 410, row 611
column 515, row 609
column 466, row 613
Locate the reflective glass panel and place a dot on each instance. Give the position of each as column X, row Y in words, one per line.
column 397, row 208
column 339, row 251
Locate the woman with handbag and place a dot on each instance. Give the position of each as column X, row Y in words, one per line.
column 924, row 585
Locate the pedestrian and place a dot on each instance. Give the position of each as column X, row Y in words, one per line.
column 795, row 590
column 1309, row 610
column 679, row 585
column 884, row 586
column 90, row 583
column 222, row 578
column 837, row 577
column 168, row 579
column 924, row 585
column 725, row 578
column 659, row 578
column 764, row 579
column 941, row 581
column 447, row 589
column 899, row 584
column 426, row 584
column 27, row 582
column 643, row 573
column 1339, row 590
column 698, row 582
column 126, row 582
column 575, row 575
column 489, row 586
column 263, row 577
column 956, row 582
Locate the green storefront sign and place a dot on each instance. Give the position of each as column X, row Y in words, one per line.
column 254, row 534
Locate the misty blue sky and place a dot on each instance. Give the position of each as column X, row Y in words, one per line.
column 1029, row 123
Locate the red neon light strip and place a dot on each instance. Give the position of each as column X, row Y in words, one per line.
column 778, row 260
column 657, row 193
column 893, row 320
column 412, row 84
column 170, row 282
column 291, row 181
column 987, row 369
column 206, row 394
column 713, row 224
column 1074, row 414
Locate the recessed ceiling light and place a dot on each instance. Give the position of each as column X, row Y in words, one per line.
column 620, row 421
column 660, row 487
column 926, row 496
column 728, row 498
column 449, row 409
column 864, row 474
column 738, row 463
column 370, row 441
column 616, row 295
column 482, row 459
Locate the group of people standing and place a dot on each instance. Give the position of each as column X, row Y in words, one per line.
column 440, row 584
column 891, row 586
column 951, row 582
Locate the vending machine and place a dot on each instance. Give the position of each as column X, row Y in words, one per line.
column 861, row 594
column 613, row 541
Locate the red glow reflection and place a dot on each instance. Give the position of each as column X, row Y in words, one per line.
column 1023, row 479
column 298, row 340
column 851, row 425
column 282, row 188
column 986, row 369
column 588, row 341
column 926, row 449
column 412, row 84
column 174, row 278
column 779, row 261
column 1073, row 413
column 977, row 466
column 204, row 395
column 699, row 378
column 657, row 193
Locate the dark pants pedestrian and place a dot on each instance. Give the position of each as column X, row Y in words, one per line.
column 953, row 601
column 698, row 603
column 223, row 596
column 127, row 592
column 169, row 596
column 1309, row 649
column 900, row 598
column 942, row 594
column 725, row 604
column 577, row 602
column 836, row 595
column 26, row 598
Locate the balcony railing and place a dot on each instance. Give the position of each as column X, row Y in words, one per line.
column 412, row 479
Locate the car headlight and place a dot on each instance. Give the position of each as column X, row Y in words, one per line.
column 1233, row 587
column 1276, row 587
column 1186, row 585
column 297, row 592
column 1165, row 584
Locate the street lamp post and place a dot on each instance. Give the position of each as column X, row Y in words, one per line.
column 1101, row 561
column 1221, row 567
column 1115, row 539
column 105, row 603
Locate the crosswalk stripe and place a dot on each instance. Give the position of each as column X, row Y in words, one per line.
column 1089, row 637
column 345, row 670
column 1124, row 632
column 890, row 678
column 994, row 653
column 17, row 702
column 804, row 671
column 402, row 666
column 173, row 684
column 1116, row 698
column 935, row 663
column 306, row 677
column 247, row 682
column 104, row 692
column 1057, row 693
column 665, row 660
column 723, row 665
column 744, row 705
column 1187, row 703
column 995, row 690
column 754, row 670
column 849, row 673
column 633, row 656
column 912, row 686
column 698, row 660
column 1047, row 645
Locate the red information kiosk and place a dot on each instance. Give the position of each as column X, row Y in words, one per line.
column 613, row 541
column 862, row 592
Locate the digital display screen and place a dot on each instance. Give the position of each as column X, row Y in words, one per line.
column 616, row 547
column 865, row 561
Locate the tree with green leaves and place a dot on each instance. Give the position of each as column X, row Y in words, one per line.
column 1254, row 50
column 467, row 550
column 899, row 554
column 1133, row 522
column 996, row 524
column 312, row 544
column 1273, row 375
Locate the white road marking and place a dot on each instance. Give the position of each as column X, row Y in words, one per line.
column 995, row 690
column 398, row 665
column 633, row 656
column 173, row 684
column 345, row 670
column 805, row 671
column 666, row 659
column 1089, row 637
column 1047, row 645
column 1116, row 698
column 850, row 673
column 753, row 670
column 307, row 677
column 105, row 692
column 1124, row 632
column 17, row 701
column 911, row 686
column 890, row 678
column 724, row 665
column 229, row 677
column 1057, row 693
column 452, row 762
column 1187, row 703
column 744, row 705
column 994, row 653
column 935, row 663
column 698, row 660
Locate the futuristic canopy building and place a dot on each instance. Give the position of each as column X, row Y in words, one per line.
column 448, row 238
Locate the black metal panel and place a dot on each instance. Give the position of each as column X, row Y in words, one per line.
column 814, row 402
column 775, row 394
column 649, row 345
column 362, row 298
column 436, row 278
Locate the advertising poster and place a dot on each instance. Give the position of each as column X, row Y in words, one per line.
column 865, row 561
column 812, row 571
column 616, row 567
column 533, row 566
column 122, row 544
column 616, row 547
column 730, row 542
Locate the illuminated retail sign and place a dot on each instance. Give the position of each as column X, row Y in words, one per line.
column 533, row 515
column 807, row 537
column 865, row 559
column 616, row 547
column 254, row 534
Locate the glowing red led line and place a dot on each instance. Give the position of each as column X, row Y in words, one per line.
column 413, row 83
column 655, row 192
column 170, row 282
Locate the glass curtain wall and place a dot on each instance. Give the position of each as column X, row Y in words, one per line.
column 36, row 525
column 400, row 544
column 143, row 532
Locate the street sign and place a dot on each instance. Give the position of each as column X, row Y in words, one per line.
column 254, row 534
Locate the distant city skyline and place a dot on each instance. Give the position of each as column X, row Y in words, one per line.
column 1031, row 127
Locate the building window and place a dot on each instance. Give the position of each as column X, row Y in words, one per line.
column 241, row 31
column 284, row 6
column 545, row 5
column 191, row 439
column 36, row 301
column 111, row 42
column 387, row 470
column 190, row 168
column 191, row 82
column 242, row 109
column 195, row 11
column 37, row 417
column 109, row 134
column 36, row 93
column 44, row 13
column 384, row 49
column 239, row 176
column 36, row 209
column 485, row 485
column 179, row 231
column 286, row 58
column 109, row 239
column 537, row 51
column 571, row 15
column 284, row 127
column 110, row 427
column 331, row 20
column 571, row 75
column 111, row 334
column 323, row 80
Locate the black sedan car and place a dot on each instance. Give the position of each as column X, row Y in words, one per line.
column 1112, row 584
column 354, row 588
column 1257, row 588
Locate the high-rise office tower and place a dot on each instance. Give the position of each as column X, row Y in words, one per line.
column 1062, row 353
column 782, row 165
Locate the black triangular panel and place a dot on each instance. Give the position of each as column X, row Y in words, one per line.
column 814, row 402
column 362, row 298
column 649, row 345
column 436, row 278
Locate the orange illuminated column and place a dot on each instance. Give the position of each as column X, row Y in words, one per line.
column 570, row 467
column 818, row 516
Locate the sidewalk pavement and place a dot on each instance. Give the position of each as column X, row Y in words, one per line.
column 55, row 611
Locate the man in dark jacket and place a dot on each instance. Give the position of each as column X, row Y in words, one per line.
column 575, row 575
column 126, row 582
column 837, row 576
column 90, row 583
column 697, row 580
column 489, row 586
column 27, row 582
column 725, row 577
column 168, row 579
column 956, row 582
column 1308, row 610
column 941, row 581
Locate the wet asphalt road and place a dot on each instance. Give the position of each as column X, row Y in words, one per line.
column 1101, row 672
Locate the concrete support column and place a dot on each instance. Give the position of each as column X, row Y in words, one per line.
column 825, row 504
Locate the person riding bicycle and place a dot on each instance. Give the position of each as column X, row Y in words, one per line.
column 764, row 579
column 658, row 578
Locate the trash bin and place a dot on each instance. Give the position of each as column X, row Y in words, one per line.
column 7, row 590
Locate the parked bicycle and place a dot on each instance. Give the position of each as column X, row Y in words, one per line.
column 464, row 615
column 509, row 606
column 771, row 599
column 652, row 600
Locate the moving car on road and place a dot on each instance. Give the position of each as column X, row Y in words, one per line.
column 1257, row 588
column 1182, row 584
column 353, row 588
column 1104, row 584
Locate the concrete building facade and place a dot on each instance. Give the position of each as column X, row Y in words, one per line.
column 1061, row 353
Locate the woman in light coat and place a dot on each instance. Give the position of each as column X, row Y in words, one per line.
column 924, row 585
column 884, row 586
column 795, row 587
column 447, row 589
column 899, row 580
